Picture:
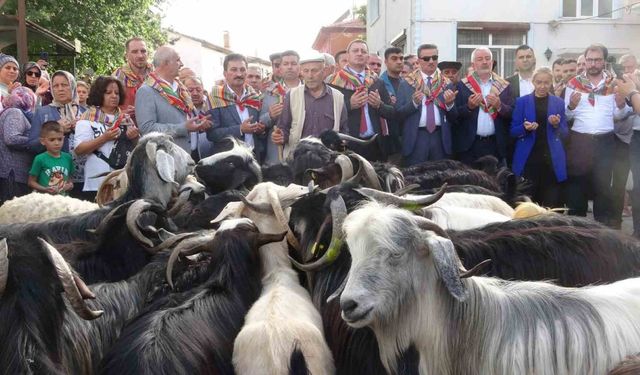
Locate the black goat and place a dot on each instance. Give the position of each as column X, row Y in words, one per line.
column 569, row 251
column 197, row 215
column 193, row 332
column 309, row 153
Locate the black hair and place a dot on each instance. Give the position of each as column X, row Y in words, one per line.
column 99, row 87
column 391, row 51
column 233, row 57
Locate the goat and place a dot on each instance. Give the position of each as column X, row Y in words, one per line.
column 284, row 315
column 279, row 174
column 193, row 332
column 233, row 169
column 629, row 366
column 406, row 283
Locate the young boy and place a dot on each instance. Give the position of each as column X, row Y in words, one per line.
column 50, row 170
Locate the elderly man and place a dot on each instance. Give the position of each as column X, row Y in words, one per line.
column 375, row 64
column 368, row 102
column 134, row 72
column 451, row 70
column 201, row 147
column 426, row 103
column 254, row 78
column 164, row 105
column 329, row 65
column 235, row 107
column 311, row 109
column 484, row 105
column 521, row 84
column 273, row 98
column 593, row 106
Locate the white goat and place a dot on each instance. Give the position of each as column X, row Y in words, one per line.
column 406, row 283
column 284, row 316
column 37, row 207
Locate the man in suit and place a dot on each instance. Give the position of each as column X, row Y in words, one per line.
column 484, row 104
column 426, row 104
column 368, row 102
column 521, row 83
column 236, row 106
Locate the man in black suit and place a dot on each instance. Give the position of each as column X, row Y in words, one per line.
column 367, row 100
column 521, row 82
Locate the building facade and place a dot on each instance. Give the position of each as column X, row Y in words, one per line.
column 561, row 28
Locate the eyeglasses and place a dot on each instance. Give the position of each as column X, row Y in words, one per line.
column 429, row 58
column 34, row 74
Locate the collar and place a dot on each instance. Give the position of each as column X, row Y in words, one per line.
column 524, row 79
column 425, row 76
column 363, row 72
column 325, row 90
column 174, row 84
column 244, row 91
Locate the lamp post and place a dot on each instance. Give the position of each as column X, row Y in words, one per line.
column 548, row 53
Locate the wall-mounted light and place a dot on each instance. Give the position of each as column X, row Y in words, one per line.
column 548, row 54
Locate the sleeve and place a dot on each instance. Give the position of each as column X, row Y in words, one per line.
column 344, row 121
column 34, row 133
column 147, row 115
column 517, row 129
column 461, row 101
column 386, row 110
column 284, row 122
column 264, row 118
column 564, row 127
column 14, row 129
column 567, row 98
column 36, row 166
column 620, row 114
column 217, row 131
column 84, row 133
column 506, row 103
column 404, row 104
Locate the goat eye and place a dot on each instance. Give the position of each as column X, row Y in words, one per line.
column 395, row 256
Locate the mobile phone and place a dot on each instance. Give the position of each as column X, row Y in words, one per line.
column 618, row 69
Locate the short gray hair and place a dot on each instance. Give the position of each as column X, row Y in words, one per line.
column 328, row 59
column 473, row 54
column 162, row 55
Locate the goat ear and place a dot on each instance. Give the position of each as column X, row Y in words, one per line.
column 150, row 148
column 165, row 166
column 447, row 265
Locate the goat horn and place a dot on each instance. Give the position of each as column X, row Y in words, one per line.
column 4, row 265
column 267, row 238
column 323, row 227
column 188, row 247
column 114, row 213
column 84, row 290
column 369, row 172
column 180, row 202
column 338, row 214
column 406, row 190
column 406, row 203
column 477, row 269
column 136, row 209
column 171, row 241
column 357, row 177
column 69, row 284
column 276, row 207
column 346, row 137
column 346, row 167
column 340, row 289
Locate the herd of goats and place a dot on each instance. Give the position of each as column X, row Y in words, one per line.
column 327, row 264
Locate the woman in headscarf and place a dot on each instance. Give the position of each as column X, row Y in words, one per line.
column 8, row 75
column 31, row 77
column 15, row 159
column 65, row 109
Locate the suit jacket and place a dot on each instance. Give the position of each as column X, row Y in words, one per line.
column 514, row 84
column 226, row 122
column 464, row 133
column 526, row 109
column 411, row 114
column 155, row 114
column 386, row 110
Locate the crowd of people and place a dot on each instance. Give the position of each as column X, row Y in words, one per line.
column 568, row 130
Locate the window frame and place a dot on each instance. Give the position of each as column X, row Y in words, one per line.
column 502, row 47
column 594, row 13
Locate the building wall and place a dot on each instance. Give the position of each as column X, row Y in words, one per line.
column 436, row 22
column 207, row 63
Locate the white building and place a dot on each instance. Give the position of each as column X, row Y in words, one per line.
column 561, row 28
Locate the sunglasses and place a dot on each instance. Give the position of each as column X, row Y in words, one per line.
column 34, row 74
column 429, row 58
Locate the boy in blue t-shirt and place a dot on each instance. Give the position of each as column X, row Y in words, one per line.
column 51, row 169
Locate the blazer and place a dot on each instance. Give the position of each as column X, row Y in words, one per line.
column 226, row 122
column 464, row 133
column 410, row 114
column 526, row 109
column 514, row 84
column 155, row 114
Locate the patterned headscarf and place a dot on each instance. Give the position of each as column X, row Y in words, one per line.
column 22, row 98
column 72, row 84
column 5, row 59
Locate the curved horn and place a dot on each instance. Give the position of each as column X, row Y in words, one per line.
column 346, row 167
column 113, row 214
column 338, row 214
column 340, row 289
column 323, row 227
column 136, row 209
column 357, row 177
column 188, row 247
column 406, row 190
column 406, row 203
column 180, row 202
column 370, row 173
column 69, row 284
column 4, row 265
column 171, row 241
column 274, row 200
column 346, row 137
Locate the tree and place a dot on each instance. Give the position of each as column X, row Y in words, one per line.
column 102, row 26
column 361, row 13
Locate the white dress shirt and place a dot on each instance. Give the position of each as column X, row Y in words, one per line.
column 486, row 127
column 244, row 114
column 596, row 119
column 436, row 110
column 526, row 86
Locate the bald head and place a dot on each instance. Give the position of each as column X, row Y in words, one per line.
column 167, row 63
column 163, row 55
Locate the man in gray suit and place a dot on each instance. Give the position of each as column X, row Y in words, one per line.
column 164, row 105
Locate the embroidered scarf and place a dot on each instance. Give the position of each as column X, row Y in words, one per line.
column 223, row 96
column 582, row 84
column 180, row 100
column 127, row 76
column 431, row 95
column 96, row 115
column 206, row 105
column 498, row 84
column 345, row 79
column 277, row 90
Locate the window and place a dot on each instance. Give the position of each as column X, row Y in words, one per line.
column 373, row 8
column 503, row 46
column 587, row 8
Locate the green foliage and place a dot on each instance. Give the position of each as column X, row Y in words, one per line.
column 102, row 26
column 361, row 13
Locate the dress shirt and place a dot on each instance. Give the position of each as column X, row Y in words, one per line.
column 596, row 119
column 486, row 127
column 436, row 109
column 244, row 114
column 526, row 86
column 369, row 132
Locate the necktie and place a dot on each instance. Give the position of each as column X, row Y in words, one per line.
column 431, row 116
column 363, row 116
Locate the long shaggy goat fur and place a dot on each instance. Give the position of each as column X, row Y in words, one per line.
column 38, row 207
